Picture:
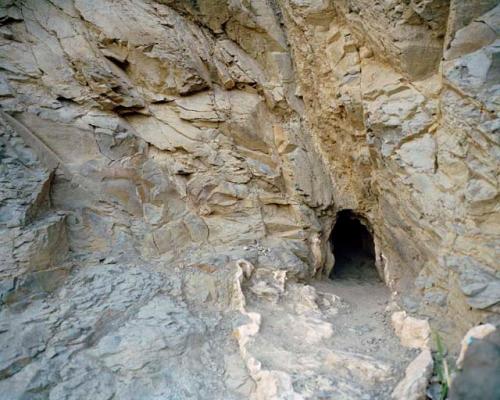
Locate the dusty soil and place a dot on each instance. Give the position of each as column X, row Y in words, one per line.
column 363, row 325
column 346, row 349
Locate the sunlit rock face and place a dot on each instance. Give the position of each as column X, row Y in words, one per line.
column 402, row 101
column 149, row 149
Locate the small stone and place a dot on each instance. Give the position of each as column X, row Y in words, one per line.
column 412, row 332
column 365, row 52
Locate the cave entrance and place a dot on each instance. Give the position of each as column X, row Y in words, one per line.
column 353, row 248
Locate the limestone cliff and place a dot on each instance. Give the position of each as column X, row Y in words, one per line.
column 402, row 102
column 171, row 172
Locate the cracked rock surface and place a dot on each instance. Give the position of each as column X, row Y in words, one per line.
column 171, row 172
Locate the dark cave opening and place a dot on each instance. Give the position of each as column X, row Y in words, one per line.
column 353, row 248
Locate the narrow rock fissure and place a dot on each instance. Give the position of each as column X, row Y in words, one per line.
column 353, row 248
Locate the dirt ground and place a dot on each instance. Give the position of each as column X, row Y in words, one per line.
column 363, row 325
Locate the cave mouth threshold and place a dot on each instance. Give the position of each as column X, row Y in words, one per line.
column 353, row 248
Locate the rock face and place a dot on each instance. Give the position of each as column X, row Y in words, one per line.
column 152, row 151
column 411, row 143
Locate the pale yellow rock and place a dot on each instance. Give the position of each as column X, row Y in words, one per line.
column 246, row 266
column 414, row 384
column 365, row 52
column 412, row 332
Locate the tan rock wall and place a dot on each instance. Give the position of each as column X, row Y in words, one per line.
column 167, row 131
column 178, row 126
column 411, row 141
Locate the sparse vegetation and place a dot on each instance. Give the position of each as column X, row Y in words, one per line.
column 441, row 369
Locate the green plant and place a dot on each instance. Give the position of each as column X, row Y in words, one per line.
column 441, row 367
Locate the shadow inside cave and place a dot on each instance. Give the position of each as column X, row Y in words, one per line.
column 353, row 248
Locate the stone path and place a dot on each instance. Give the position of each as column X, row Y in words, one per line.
column 332, row 339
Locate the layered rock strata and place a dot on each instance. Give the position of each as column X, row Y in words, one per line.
column 152, row 151
column 401, row 99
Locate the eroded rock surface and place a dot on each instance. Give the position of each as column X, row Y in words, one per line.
column 170, row 174
column 411, row 142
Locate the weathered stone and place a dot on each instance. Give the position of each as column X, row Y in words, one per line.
column 476, row 333
column 170, row 173
column 481, row 365
column 412, row 332
column 416, row 380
